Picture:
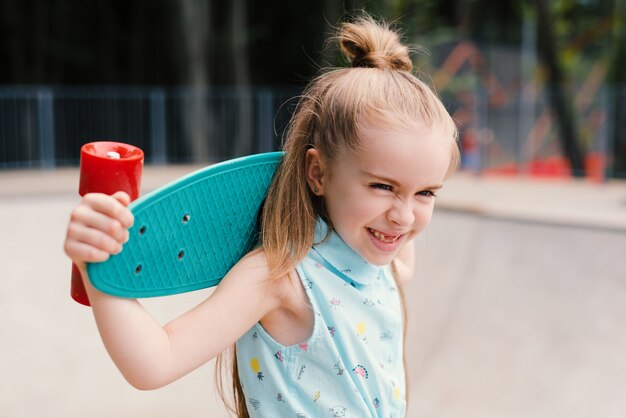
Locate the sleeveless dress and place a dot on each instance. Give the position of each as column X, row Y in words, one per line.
column 352, row 364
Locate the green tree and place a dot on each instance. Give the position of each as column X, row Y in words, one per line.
column 558, row 93
column 617, row 83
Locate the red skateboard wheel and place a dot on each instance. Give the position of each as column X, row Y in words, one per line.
column 106, row 167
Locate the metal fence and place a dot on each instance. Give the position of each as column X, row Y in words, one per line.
column 522, row 136
column 44, row 127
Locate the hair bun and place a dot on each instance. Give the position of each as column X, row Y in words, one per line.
column 367, row 43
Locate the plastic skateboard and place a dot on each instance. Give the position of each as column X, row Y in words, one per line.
column 188, row 234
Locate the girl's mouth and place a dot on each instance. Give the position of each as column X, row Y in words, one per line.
column 387, row 239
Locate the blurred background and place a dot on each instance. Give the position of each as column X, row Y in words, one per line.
column 517, row 306
column 536, row 86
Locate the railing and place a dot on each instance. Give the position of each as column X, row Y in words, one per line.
column 522, row 136
column 44, row 127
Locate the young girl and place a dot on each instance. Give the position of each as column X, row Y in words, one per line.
column 315, row 314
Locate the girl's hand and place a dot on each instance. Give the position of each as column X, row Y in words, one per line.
column 98, row 227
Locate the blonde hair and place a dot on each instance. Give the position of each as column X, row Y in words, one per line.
column 379, row 85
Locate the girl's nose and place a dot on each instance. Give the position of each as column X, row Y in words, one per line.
column 401, row 213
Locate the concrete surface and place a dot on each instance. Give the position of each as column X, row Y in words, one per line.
column 516, row 309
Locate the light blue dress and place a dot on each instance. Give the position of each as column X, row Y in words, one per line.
column 351, row 365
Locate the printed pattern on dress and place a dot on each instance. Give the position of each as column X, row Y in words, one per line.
column 351, row 366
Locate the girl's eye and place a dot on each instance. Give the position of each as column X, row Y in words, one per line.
column 427, row 193
column 382, row 186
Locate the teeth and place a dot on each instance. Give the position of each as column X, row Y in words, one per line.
column 383, row 237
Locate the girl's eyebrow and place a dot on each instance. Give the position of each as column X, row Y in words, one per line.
column 395, row 183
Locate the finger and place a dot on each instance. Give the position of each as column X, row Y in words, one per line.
column 110, row 206
column 94, row 238
column 82, row 253
column 122, row 197
column 85, row 215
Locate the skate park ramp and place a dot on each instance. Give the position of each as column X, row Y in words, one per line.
column 516, row 308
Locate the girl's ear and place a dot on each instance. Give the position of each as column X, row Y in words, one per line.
column 315, row 169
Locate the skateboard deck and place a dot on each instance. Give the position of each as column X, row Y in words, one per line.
column 189, row 233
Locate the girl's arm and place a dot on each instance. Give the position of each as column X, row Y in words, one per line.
column 150, row 355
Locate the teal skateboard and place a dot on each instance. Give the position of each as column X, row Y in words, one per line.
column 188, row 234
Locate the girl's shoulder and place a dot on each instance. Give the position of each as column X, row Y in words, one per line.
column 248, row 293
column 403, row 265
column 281, row 301
column 253, row 271
column 290, row 318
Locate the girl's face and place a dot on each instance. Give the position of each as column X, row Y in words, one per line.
column 382, row 195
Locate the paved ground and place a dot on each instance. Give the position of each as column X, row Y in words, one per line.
column 516, row 310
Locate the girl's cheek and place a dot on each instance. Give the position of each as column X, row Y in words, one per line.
column 370, row 207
